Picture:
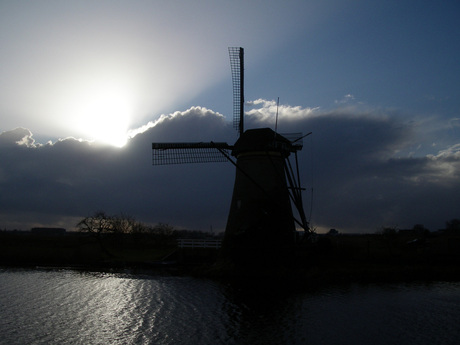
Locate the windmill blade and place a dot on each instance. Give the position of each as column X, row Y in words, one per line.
column 195, row 152
column 237, row 66
column 296, row 139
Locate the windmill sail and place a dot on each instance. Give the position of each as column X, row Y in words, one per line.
column 182, row 153
column 237, row 66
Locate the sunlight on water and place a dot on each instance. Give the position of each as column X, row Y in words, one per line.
column 66, row 307
column 71, row 307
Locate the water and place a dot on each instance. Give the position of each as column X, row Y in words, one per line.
column 72, row 307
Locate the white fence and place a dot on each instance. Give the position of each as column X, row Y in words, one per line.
column 198, row 243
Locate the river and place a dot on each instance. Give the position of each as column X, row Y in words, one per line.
column 79, row 307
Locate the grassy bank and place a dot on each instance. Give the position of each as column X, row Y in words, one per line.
column 333, row 259
column 77, row 249
column 353, row 258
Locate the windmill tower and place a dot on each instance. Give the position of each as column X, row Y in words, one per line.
column 266, row 185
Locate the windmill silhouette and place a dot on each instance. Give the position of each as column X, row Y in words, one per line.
column 267, row 183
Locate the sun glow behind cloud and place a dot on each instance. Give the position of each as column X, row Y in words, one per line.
column 167, row 54
column 102, row 113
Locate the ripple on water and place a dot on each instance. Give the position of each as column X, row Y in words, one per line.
column 72, row 307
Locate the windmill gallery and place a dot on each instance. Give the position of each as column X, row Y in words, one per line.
column 261, row 222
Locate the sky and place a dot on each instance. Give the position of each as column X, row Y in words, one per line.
column 87, row 86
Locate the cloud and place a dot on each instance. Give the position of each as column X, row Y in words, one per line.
column 18, row 136
column 151, row 57
column 264, row 111
column 346, row 99
column 73, row 178
column 455, row 122
column 352, row 162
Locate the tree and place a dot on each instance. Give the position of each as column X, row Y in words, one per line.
column 100, row 224
column 123, row 224
column 389, row 232
column 453, row 226
column 420, row 230
column 162, row 234
column 389, row 235
column 333, row 232
column 97, row 225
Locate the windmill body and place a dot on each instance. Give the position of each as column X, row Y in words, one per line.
column 260, row 220
column 260, row 213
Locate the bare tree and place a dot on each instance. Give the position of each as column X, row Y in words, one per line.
column 98, row 224
column 123, row 224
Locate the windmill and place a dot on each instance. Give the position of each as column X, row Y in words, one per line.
column 267, row 183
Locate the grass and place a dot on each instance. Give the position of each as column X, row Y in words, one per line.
column 76, row 249
column 333, row 259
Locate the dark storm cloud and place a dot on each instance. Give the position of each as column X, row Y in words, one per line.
column 362, row 184
column 73, row 178
column 351, row 161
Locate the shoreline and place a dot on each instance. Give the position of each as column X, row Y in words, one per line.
column 334, row 260
column 296, row 277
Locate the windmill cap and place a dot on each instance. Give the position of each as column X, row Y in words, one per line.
column 262, row 139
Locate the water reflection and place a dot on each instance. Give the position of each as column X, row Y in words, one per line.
column 259, row 313
column 69, row 307
column 364, row 314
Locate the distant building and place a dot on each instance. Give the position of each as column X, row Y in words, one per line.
column 48, row 231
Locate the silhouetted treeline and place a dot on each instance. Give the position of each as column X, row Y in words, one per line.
column 102, row 223
column 109, row 229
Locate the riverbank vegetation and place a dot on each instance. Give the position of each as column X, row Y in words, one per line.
column 102, row 241
column 114, row 242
